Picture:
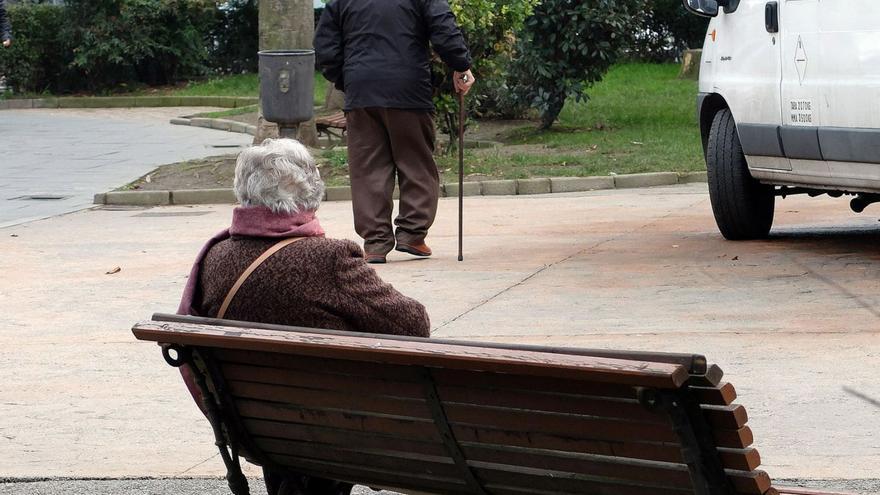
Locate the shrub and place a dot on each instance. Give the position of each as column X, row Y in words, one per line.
column 37, row 60
column 235, row 37
column 566, row 46
column 668, row 30
column 98, row 45
column 151, row 41
column 489, row 27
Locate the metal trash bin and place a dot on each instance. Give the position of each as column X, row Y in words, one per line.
column 287, row 88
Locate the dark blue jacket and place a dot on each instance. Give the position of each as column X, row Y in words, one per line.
column 377, row 51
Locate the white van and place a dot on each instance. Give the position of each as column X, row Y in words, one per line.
column 789, row 103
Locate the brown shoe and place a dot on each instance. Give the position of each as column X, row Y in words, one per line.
column 374, row 258
column 420, row 250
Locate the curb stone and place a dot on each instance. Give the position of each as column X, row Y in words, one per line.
column 201, row 122
column 138, row 198
column 693, row 177
column 532, row 186
column 219, row 124
column 652, row 179
column 499, row 188
column 578, row 184
column 469, row 189
column 342, row 193
column 128, row 102
column 484, row 188
column 202, row 196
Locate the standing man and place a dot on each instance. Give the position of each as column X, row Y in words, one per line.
column 377, row 52
column 5, row 25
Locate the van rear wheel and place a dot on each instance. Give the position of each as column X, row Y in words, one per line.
column 743, row 207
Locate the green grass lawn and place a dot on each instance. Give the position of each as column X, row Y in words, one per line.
column 234, row 85
column 640, row 118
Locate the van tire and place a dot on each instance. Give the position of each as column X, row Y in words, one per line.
column 743, row 207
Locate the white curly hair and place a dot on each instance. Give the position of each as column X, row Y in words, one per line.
column 280, row 174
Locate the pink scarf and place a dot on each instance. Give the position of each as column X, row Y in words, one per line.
column 256, row 221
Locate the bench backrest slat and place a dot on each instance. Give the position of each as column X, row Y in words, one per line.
column 422, row 353
column 695, row 363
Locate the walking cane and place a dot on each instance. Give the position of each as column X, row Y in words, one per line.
column 461, row 114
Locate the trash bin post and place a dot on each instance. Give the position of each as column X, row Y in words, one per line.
column 287, row 87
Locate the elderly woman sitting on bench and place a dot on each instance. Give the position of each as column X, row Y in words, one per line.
column 274, row 265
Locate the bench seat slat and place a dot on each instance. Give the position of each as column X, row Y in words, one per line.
column 404, row 466
column 406, row 428
column 413, row 408
column 722, row 395
column 329, row 436
column 749, row 482
column 322, row 381
column 545, row 402
column 328, row 366
column 734, row 439
column 665, row 474
column 668, row 452
column 557, row 481
column 516, row 383
column 423, row 353
column 335, row 120
column 339, row 452
column 528, row 422
column 783, row 490
column 740, row 459
column 375, row 477
column 731, row 417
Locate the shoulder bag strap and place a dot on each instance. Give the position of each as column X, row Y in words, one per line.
column 253, row 266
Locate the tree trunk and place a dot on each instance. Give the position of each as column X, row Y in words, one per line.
column 335, row 99
column 690, row 64
column 548, row 118
column 286, row 25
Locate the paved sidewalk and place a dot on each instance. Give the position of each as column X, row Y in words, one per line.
column 73, row 154
column 216, row 486
column 792, row 320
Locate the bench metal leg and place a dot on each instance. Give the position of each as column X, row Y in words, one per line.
column 441, row 421
column 698, row 446
column 228, row 452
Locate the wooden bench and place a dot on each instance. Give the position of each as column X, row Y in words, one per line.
column 448, row 417
column 332, row 126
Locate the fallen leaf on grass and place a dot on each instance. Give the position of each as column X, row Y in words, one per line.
column 638, row 143
column 114, row 271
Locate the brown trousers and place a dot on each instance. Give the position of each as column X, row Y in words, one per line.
column 385, row 143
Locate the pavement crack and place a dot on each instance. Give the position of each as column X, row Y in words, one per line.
column 866, row 398
column 493, row 297
column 835, row 285
column 558, row 262
column 198, row 464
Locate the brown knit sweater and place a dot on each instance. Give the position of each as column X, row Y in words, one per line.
column 315, row 282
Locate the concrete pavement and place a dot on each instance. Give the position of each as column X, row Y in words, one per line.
column 792, row 320
column 73, row 154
